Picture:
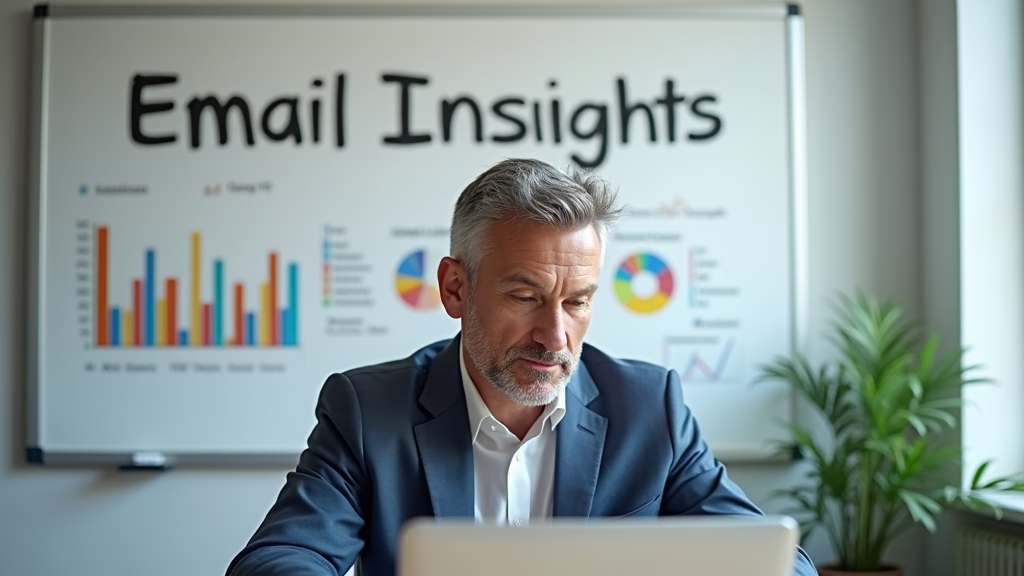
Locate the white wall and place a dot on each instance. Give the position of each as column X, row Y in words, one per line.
column 865, row 232
column 991, row 116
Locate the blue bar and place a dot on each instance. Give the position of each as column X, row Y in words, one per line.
column 250, row 329
column 283, row 323
column 149, row 325
column 218, row 302
column 183, row 338
column 115, row 326
column 293, row 304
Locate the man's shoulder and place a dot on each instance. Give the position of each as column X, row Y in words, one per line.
column 617, row 379
column 383, row 388
column 618, row 387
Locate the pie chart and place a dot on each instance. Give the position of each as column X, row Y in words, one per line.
column 644, row 268
column 415, row 283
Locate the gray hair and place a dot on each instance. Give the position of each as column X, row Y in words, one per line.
column 532, row 190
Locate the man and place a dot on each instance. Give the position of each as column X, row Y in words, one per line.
column 515, row 418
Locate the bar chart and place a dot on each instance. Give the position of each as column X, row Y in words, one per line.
column 171, row 311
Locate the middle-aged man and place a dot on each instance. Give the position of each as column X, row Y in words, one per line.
column 514, row 419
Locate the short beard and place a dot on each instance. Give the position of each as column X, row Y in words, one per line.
column 540, row 391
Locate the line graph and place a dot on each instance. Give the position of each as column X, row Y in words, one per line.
column 704, row 358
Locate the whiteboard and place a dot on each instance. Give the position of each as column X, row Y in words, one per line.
column 233, row 203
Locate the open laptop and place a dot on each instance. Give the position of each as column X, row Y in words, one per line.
column 677, row 546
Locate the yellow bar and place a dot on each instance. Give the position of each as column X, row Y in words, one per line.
column 161, row 322
column 129, row 338
column 265, row 314
column 196, row 333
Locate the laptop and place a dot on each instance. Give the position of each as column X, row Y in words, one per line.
column 677, row 546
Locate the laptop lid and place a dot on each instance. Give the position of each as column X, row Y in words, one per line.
column 677, row 546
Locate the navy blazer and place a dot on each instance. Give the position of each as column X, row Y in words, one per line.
column 392, row 442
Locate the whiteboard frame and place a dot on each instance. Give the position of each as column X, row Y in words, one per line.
column 798, row 189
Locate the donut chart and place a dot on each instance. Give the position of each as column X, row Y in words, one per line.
column 414, row 285
column 634, row 266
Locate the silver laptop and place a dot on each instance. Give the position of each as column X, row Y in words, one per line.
column 677, row 546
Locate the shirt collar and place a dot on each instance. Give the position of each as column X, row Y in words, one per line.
column 479, row 412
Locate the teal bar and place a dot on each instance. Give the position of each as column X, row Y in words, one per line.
column 218, row 302
column 293, row 305
column 149, row 289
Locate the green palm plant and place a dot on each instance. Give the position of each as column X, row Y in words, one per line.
column 879, row 466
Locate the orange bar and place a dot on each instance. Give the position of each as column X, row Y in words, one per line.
column 239, row 316
column 172, row 312
column 275, row 316
column 102, row 314
column 136, row 313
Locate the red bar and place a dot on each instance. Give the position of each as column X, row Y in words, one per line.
column 239, row 317
column 172, row 312
column 206, row 324
column 274, row 315
column 136, row 313
column 102, row 314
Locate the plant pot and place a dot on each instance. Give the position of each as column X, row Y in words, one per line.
column 831, row 570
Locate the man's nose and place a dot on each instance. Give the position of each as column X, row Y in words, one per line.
column 549, row 330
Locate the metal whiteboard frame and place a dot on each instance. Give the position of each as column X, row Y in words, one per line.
column 797, row 160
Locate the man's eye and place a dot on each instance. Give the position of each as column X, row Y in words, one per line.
column 522, row 299
column 578, row 303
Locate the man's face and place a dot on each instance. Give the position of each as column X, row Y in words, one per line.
column 530, row 305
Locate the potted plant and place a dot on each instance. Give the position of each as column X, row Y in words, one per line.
column 877, row 462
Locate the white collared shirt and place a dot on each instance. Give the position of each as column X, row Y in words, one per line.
column 513, row 480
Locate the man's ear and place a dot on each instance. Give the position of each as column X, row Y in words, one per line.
column 454, row 286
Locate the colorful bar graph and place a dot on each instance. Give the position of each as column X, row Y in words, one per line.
column 153, row 316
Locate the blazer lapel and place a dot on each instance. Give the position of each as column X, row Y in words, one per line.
column 444, row 442
column 581, row 436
